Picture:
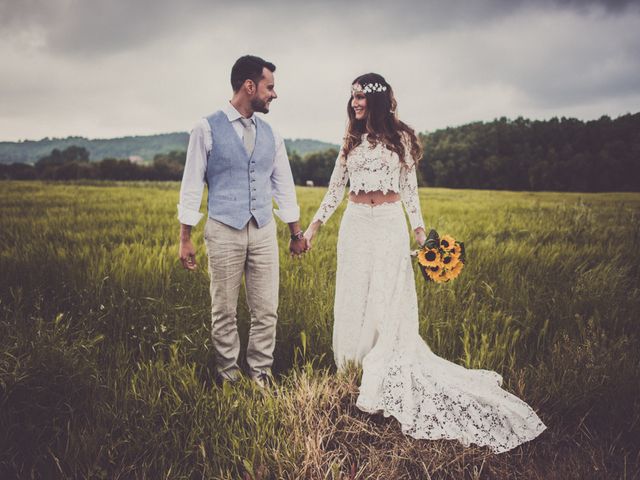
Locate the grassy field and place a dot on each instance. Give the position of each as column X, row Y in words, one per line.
column 106, row 368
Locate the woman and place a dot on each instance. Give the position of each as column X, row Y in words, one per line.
column 376, row 308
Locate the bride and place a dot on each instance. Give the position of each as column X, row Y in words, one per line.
column 376, row 308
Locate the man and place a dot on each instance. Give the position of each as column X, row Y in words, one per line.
column 245, row 165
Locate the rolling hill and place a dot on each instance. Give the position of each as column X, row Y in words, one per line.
column 29, row 151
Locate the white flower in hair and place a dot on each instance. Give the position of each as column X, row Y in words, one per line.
column 369, row 87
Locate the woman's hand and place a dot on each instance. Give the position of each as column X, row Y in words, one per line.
column 310, row 232
column 420, row 236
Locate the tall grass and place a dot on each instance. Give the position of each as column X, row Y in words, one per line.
column 106, row 369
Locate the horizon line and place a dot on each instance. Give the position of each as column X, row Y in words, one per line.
column 25, row 140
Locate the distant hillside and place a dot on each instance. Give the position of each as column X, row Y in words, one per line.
column 29, row 151
column 305, row 145
column 144, row 146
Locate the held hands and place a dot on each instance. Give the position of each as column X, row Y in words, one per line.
column 297, row 246
column 301, row 243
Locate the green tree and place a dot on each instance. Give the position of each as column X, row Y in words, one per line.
column 319, row 166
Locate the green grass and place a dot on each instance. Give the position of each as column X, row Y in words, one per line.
column 106, row 368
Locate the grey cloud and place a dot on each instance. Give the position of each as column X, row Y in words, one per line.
column 94, row 27
column 609, row 5
column 116, row 68
column 587, row 82
column 573, row 73
column 548, row 60
column 99, row 27
column 16, row 14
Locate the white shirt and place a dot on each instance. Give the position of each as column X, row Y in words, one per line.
column 195, row 172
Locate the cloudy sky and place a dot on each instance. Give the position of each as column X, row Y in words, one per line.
column 107, row 68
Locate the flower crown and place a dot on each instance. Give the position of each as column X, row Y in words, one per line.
column 368, row 88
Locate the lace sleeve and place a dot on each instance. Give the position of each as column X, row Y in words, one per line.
column 409, row 190
column 335, row 194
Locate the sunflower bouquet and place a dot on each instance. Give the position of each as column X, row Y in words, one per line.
column 441, row 258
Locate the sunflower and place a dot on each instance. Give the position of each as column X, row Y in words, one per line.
column 447, row 261
column 450, row 261
column 441, row 258
column 429, row 257
column 447, row 242
column 442, row 278
column 434, row 273
column 455, row 250
column 455, row 271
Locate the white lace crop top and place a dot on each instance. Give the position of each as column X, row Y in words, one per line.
column 369, row 169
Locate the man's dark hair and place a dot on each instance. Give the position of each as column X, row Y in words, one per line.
column 248, row 67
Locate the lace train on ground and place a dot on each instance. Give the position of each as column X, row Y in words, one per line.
column 376, row 323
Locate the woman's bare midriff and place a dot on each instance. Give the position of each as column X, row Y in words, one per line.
column 376, row 197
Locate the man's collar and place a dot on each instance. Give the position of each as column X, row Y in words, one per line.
column 233, row 114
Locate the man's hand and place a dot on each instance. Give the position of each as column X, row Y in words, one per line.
column 187, row 253
column 297, row 247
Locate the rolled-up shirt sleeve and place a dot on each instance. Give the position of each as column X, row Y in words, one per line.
column 282, row 186
column 194, row 176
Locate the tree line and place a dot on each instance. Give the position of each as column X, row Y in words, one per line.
column 558, row 154
column 73, row 163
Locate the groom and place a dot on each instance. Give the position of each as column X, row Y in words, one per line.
column 245, row 165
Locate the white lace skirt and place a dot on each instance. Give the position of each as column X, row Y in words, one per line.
column 376, row 324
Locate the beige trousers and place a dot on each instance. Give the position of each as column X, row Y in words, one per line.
column 251, row 251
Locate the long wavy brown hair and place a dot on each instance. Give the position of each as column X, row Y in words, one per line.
column 381, row 123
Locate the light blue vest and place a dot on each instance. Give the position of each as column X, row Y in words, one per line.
column 239, row 185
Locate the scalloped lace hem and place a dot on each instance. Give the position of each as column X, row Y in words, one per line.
column 470, row 408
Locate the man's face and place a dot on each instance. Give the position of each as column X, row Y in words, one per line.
column 265, row 92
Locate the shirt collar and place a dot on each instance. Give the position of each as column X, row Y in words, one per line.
column 233, row 114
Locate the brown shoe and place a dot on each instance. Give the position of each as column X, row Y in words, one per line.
column 221, row 380
column 264, row 380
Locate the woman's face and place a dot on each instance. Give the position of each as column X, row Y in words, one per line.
column 359, row 104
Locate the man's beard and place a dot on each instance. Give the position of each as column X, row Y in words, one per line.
column 258, row 105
